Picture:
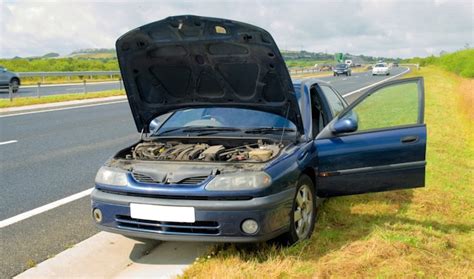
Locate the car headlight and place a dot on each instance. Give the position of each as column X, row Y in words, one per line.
column 111, row 176
column 239, row 181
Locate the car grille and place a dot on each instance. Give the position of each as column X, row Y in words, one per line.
column 196, row 228
column 143, row 178
column 176, row 197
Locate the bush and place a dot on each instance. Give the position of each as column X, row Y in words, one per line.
column 460, row 62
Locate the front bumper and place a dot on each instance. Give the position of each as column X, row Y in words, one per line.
column 216, row 220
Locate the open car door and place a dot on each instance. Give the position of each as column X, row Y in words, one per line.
column 378, row 143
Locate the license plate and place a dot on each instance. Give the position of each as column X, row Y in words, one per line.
column 162, row 213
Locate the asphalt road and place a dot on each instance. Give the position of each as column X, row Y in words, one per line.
column 54, row 89
column 56, row 154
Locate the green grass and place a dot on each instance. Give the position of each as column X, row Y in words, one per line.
column 25, row 101
column 426, row 232
column 460, row 62
column 388, row 107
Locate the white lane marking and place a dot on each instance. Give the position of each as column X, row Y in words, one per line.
column 8, row 142
column 344, row 79
column 374, row 84
column 57, row 109
column 44, row 208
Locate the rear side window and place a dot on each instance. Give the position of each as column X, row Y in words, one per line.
column 335, row 103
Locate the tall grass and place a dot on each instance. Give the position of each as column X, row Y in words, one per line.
column 459, row 62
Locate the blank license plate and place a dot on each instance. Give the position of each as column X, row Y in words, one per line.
column 162, row 213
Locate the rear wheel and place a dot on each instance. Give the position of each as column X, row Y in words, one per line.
column 303, row 214
column 15, row 84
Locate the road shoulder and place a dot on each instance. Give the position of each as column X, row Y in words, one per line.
column 60, row 105
column 107, row 255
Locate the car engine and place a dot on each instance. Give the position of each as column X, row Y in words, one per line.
column 178, row 151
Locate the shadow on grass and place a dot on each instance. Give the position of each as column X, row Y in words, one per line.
column 341, row 221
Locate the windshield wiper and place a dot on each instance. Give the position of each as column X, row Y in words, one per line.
column 267, row 130
column 210, row 128
column 206, row 129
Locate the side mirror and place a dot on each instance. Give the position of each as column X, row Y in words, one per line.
column 346, row 124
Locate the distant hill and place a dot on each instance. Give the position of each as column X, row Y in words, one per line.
column 50, row 55
column 94, row 53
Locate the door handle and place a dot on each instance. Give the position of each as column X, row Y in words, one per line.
column 409, row 139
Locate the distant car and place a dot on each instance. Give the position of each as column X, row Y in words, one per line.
column 200, row 173
column 342, row 69
column 381, row 69
column 9, row 78
column 395, row 64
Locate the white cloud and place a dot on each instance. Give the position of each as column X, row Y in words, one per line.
column 381, row 28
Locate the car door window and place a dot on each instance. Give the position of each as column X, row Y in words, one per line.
column 376, row 144
column 335, row 103
column 391, row 106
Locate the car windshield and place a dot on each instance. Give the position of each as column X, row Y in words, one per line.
column 339, row 66
column 229, row 119
column 379, row 65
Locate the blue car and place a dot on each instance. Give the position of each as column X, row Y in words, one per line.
column 232, row 150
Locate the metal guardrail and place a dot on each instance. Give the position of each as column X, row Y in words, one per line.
column 117, row 73
column 294, row 70
column 68, row 74
column 10, row 91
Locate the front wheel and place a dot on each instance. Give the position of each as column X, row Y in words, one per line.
column 303, row 214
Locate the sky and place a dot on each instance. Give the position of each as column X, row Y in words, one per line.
column 385, row 28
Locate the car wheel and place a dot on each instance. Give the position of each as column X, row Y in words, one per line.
column 303, row 213
column 388, row 74
column 334, row 74
column 15, row 84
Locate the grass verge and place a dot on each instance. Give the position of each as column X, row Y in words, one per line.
column 25, row 101
column 427, row 232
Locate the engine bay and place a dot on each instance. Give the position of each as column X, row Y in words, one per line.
column 257, row 151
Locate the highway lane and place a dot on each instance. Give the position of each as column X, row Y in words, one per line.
column 345, row 84
column 55, row 89
column 57, row 154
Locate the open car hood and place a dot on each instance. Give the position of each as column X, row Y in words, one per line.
column 191, row 61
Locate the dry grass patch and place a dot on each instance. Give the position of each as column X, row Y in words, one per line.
column 426, row 232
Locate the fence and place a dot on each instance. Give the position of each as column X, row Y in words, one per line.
column 111, row 74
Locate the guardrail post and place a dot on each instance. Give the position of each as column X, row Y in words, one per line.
column 85, row 87
column 120, row 83
column 10, row 92
column 42, row 78
column 38, row 90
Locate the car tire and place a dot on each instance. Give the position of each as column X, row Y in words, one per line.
column 388, row 74
column 304, row 207
column 334, row 74
column 15, row 84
